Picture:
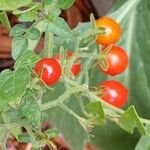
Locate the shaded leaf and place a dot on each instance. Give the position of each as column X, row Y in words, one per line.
column 33, row 34
column 24, row 138
column 11, row 5
column 52, row 133
column 64, row 4
column 17, row 30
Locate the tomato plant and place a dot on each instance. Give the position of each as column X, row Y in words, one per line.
column 49, row 70
column 112, row 31
column 114, row 93
column 76, row 67
column 116, row 59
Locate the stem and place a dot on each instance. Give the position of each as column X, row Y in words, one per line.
column 51, row 145
column 56, row 102
column 84, row 123
column 39, row 96
column 91, row 56
column 67, row 109
column 15, row 125
column 48, row 44
column 31, row 134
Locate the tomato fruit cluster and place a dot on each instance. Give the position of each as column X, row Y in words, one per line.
column 116, row 58
column 49, row 69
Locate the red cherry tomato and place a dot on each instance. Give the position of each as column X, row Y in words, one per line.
column 117, row 60
column 112, row 31
column 49, row 70
column 75, row 69
column 114, row 93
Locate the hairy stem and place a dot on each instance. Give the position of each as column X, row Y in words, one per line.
column 48, row 44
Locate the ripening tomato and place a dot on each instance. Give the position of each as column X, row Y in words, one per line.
column 117, row 60
column 76, row 67
column 114, row 93
column 49, row 70
column 112, row 31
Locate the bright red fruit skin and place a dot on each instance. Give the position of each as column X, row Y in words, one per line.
column 112, row 31
column 114, row 93
column 48, row 70
column 117, row 60
column 76, row 67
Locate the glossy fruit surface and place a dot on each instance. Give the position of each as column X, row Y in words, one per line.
column 76, row 67
column 114, row 93
column 117, row 60
column 112, row 31
column 49, row 70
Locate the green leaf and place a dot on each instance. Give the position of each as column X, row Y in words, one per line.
column 64, row 4
column 17, row 30
column 33, row 113
column 54, row 14
column 28, row 58
column 144, row 143
column 52, row 133
column 4, row 20
column 33, row 34
column 47, row 2
column 96, row 109
column 5, row 72
column 129, row 120
column 58, row 26
column 10, row 87
column 19, row 45
column 31, row 7
column 3, row 105
column 24, row 138
column 148, row 128
column 44, row 116
column 11, row 5
column 28, row 16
